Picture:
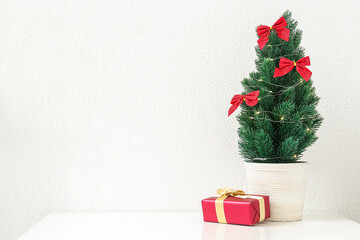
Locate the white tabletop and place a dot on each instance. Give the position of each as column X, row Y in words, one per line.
column 184, row 226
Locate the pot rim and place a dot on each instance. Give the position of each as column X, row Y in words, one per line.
column 298, row 166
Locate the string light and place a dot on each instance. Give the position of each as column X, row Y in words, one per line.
column 282, row 121
column 295, row 54
column 261, row 80
column 270, row 120
column 286, row 89
column 279, row 92
column 258, row 112
column 281, row 118
column 273, row 158
column 271, row 45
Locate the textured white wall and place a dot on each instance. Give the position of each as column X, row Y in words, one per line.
column 122, row 105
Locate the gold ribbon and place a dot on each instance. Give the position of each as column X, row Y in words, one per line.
column 225, row 193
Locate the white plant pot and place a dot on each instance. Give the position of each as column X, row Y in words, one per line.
column 284, row 183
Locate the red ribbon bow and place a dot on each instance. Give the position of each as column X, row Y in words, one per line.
column 237, row 100
column 279, row 26
column 287, row 65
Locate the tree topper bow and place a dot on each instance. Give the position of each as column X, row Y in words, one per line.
column 279, row 26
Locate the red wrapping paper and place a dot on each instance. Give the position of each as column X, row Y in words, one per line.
column 243, row 211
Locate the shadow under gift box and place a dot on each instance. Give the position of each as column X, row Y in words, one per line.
column 238, row 210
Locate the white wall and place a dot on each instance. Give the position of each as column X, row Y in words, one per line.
column 122, row 105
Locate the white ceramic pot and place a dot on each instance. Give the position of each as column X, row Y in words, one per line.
column 284, row 183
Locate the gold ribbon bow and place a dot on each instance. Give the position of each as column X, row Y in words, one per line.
column 228, row 191
column 225, row 193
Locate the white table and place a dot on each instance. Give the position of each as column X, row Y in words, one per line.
column 184, row 226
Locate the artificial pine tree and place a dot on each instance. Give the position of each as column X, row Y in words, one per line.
column 280, row 123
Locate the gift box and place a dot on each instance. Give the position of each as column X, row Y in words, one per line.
column 236, row 207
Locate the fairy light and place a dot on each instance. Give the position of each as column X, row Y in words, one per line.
column 272, row 45
column 283, row 122
column 276, row 85
column 273, row 158
column 294, row 54
column 286, row 89
column 282, row 118
column 264, row 111
column 279, row 92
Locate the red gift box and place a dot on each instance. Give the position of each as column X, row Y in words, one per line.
column 234, row 207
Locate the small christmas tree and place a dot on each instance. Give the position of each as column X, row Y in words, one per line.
column 278, row 119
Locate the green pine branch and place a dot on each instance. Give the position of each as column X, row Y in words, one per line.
column 284, row 122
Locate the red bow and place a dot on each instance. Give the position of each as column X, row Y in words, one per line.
column 287, row 65
column 279, row 26
column 237, row 100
